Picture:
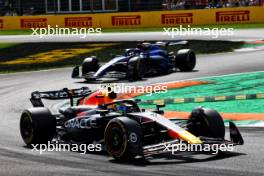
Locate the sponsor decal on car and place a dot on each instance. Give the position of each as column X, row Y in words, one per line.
column 75, row 123
column 233, row 16
column 33, row 23
column 1, row 24
column 126, row 20
column 78, row 22
column 179, row 18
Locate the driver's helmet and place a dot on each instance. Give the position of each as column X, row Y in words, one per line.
column 121, row 108
column 139, row 46
column 143, row 46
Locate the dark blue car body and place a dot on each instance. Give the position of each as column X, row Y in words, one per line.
column 151, row 60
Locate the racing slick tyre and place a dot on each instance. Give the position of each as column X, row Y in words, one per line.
column 37, row 126
column 90, row 64
column 185, row 60
column 123, row 138
column 206, row 122
column 135, row 69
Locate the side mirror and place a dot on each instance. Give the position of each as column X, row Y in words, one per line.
column 158, row 106
column 158, row 111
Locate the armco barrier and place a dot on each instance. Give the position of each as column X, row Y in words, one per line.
column 138, row 19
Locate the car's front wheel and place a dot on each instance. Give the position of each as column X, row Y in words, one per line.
column 206, row 122
column 123, row 138
column 90, row 64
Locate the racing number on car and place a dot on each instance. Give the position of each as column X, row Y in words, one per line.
column 133, row 137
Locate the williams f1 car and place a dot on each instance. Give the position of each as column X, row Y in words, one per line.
column 125, row 130
column 144, row 60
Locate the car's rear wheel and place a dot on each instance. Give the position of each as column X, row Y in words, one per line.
column 37, row 126
column 123, row 138
column 206, row 122
column 90, row 65
column 185, row 60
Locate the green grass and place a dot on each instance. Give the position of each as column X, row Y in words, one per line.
column 241, row 106
column 11, row 52
column 15, row 32
column 241, row 84
column 250, row 83
column 7, row 45
column 150, row 29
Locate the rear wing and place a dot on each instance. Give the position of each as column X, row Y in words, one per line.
column 36, row 97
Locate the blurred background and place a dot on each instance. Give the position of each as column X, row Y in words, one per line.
column 37, row 7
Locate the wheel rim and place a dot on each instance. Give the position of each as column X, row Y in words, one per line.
column 115, row 140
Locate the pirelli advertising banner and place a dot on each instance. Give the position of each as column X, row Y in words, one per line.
column 138, row 19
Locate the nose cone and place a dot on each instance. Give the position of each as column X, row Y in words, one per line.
column 107, row 66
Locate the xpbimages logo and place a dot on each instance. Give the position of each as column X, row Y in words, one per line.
column 186, row 147
column 60, row 147
column 127, row 89
column 190, row 31
column 57, row 31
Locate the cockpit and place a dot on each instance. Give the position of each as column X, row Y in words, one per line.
column 123, row 106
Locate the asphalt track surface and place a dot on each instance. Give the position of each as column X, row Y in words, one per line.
column 15, row 159
column 238, row 35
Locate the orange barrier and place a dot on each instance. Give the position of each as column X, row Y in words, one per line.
column 138, row 19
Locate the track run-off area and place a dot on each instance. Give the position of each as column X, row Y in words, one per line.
column 15, row 159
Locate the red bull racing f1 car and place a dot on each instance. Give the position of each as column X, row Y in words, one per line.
column 125, row 130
